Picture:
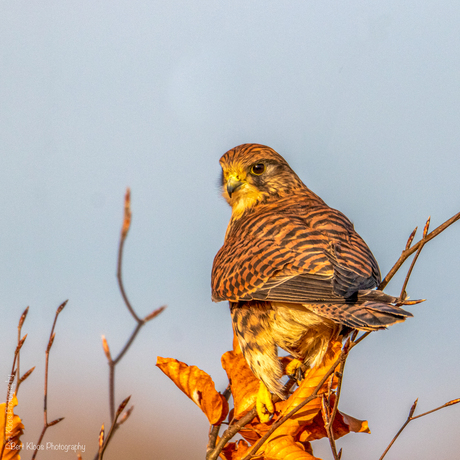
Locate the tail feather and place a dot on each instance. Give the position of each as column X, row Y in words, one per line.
column 369, row 315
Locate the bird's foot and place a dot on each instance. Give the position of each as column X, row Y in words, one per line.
column 264, row 404
column 294, row 368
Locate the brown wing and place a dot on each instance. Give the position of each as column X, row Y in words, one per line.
column 294, row 253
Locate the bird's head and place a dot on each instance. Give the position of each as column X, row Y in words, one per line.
column 254, row 173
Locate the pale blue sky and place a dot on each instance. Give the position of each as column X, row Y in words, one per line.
column 362, row 99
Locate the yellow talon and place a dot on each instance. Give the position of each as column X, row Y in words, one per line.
column 264, row 403
column 293, row 366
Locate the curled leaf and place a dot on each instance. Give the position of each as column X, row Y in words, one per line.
column 244, row 384
column 198, row 386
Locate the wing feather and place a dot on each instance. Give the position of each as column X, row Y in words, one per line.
column 293, row 252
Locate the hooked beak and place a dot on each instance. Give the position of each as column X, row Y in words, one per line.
column 232, row 184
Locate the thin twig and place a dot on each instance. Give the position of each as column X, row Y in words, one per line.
column 410, row 417
column 407, row 252
column 214, row 429
column 140, row 321
column 18, row 374
column 46, row 425
column 112, row 362
column 114, row 426
column 329, row 421
column 403, row 296
column 124, row 234
column 326, row 414
column 101, row 443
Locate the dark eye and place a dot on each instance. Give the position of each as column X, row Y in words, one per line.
column 258, row 169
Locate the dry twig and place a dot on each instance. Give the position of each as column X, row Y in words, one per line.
column 140, row 322
column 410, row 417
column 410, row 250
column 47, row 424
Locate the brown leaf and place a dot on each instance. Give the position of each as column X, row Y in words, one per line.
column 244, row 384
column 13, row 429
column 198, row 386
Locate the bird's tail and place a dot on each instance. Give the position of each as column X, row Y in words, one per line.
column 369, row 311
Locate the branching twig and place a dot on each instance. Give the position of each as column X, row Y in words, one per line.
column 114, row 426
column 410, row 250
column 214, row 429
column 410, row 418
column 46, row 425
column 329, row 420
column 112, row 362
column 403, row 296
column 18, row 374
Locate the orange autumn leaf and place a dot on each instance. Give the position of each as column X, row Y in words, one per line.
column 343, row 424
column 285, row 448
column 235, row 450
column 254, row 430
column 11, row 431
column 311, row 380
column 244, row 384
column 282, row 443
column 198, row 386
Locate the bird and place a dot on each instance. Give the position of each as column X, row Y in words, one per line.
column 295, row 272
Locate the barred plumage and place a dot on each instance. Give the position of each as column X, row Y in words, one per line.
column 293, row 269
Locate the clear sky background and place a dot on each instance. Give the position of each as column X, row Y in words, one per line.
column 361, row 97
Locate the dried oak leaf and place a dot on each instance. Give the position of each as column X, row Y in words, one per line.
column 198, row 386
column 11, row 430
column 244, row 384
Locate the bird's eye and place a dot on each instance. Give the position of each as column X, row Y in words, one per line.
column 258, row 169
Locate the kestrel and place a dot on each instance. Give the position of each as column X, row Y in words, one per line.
column 294, row 270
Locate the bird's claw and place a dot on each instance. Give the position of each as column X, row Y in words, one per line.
column 264, row 404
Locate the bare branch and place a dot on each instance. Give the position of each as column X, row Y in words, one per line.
column 410, row 417
column 403, row 295
column 407, row 252
column 113, row 428
column 46, row 425
column 112, row 362
column 124, row 232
